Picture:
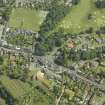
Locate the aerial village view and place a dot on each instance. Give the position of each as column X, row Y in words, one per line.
column 52, row 52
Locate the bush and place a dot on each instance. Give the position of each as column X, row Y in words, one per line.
column 1, row 60
column 54, row 16
column 100, row 3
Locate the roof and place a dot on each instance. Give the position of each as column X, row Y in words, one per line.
column 40, row 75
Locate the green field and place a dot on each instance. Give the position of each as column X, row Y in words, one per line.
column 26, row 18
column 24, row 93
column 2, row 102
column 15, row 87
column 77, row 20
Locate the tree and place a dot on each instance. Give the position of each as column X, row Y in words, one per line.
column 54, row 16
column 39, row 49
column 1, row 60
column 100, row 3
column 75, row 2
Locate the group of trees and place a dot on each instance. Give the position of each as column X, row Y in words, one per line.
column 1, row 60
column 18, row 70
column 5, row 11
column 54, row 16
column 5, row 95
column 101, row 30
column 75, row 2
column 100, row 3
column 77, row 55
column 47, row 44
column 86, row 54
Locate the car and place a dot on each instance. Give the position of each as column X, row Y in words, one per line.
column 17, row 48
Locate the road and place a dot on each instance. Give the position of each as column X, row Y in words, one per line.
column 50, row 65
column 48, row 62
column 1, row 30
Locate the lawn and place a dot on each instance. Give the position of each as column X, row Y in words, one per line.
column 2, row 101
column 77, row 20
column 26, row 18
column 24, row 93
column 98, row 100
column 15, row 87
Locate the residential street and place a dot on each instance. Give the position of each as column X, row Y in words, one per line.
column 51, row 66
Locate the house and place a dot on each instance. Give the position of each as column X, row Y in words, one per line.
column 1, row 17
column 71, row 44
column 69, row 2
column 22, row 2
column 40, row 76
column 5, row 1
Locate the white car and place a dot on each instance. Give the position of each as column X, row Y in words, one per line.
column 17, row 48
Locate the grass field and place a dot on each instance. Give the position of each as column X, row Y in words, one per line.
column 26, row 18
column 2, row 102
column 15, row 87
column 77, row 20
column 23, row 92
column 98, row 100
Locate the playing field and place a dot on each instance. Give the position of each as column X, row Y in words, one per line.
column 77, row 20
column 26, row 18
